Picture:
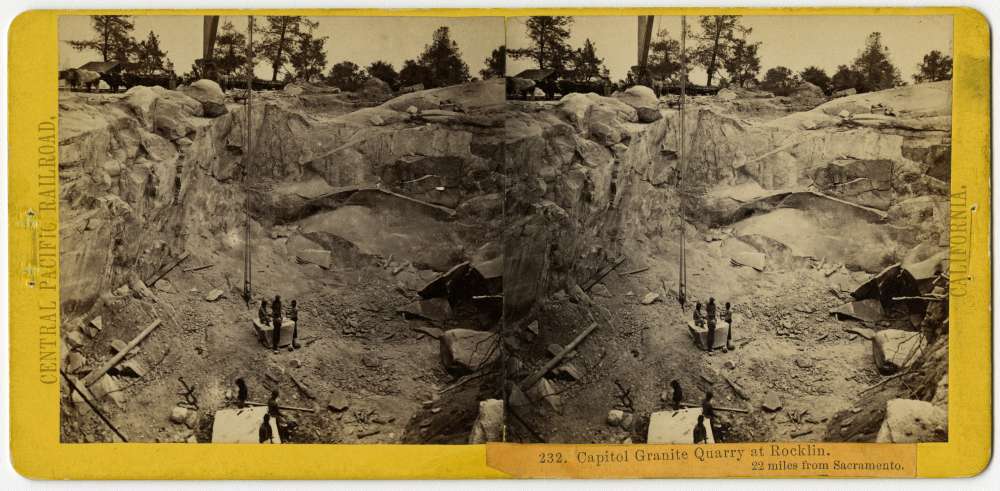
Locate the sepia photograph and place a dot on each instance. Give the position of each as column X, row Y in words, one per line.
column 281, row 229
column 549, row 229
column 727, row 229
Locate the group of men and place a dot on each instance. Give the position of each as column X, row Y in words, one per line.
column 709, row 317
column 275, row 316
column 266, row 434
column 707, row 411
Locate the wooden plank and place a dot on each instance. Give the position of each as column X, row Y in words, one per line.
column 108, row 365
column 535, row 377
column 159, row 275
column 88, row 398
column 197, row 268
column 719, row 408
column 601, row 276
column 289, row 408
column 634, row 271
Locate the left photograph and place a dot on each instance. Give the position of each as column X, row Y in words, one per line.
column 281, row 229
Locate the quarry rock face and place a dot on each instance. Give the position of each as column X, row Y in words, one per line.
column 561, row 190
column 166, row 165
column 585, row 178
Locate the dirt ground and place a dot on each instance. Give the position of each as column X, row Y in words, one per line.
column 786, row 342
column 353, row 344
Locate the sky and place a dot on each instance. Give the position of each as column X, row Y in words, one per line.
column 791, row 41
column 361, row 40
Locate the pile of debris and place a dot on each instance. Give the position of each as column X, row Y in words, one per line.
column 910, row 403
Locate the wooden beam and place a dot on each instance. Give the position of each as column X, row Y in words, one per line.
column 290, row 408
column 719, row 408
column 197, row 268
column 535, row 377
column 108, row 365
column 634, row 271
column 159, row 275
column 591, row 283
column 87, row 398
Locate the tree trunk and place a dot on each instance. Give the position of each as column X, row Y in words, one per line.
column 104, row 47
column 276, row 64
column 715, row 51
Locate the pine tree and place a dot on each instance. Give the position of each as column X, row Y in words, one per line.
column 277, row 38
column 149, row 57
column 935, row 67
column 496, row 64
column 113, row 39
column 742, row 62
column 876, row 69
column 664, row 62
column 444, row 60
column 586, row 63
column 550, row 43
column 230, row 52
column 715, row 41
column 308, row 55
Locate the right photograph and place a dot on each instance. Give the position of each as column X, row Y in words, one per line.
column 723, row 229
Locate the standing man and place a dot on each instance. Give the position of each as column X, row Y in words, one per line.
column 293, row 314
column 727, row 315
column 276, row 316
column 274, row 411
column 706, row 406
column 272, row 405
column 700, row 435
column 241, row 392
column 265, row 435
column 710, row 315
column 678, row 396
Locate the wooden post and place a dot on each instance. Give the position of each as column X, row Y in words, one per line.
column 97, row 374
column 535, row 377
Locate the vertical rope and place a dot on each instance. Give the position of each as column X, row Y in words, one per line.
column 247, row 263
column 682, row 276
